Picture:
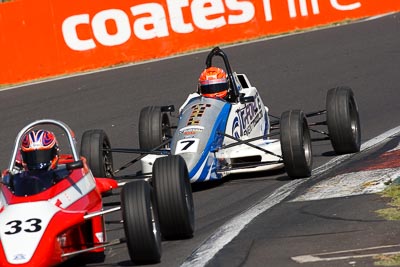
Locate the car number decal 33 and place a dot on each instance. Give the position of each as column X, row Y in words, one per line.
column 30, row 226
column 22, row 227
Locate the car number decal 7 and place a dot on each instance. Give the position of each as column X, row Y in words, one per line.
column 187, row 146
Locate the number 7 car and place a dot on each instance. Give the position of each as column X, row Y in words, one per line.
column 236, row 134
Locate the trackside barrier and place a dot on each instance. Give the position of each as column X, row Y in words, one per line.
column 42, row 38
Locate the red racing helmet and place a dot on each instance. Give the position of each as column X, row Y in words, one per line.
column 213, row 82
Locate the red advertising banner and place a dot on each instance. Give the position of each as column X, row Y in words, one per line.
column 43, row 38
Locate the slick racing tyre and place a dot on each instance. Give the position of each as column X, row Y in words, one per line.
column 154, row 127
column 94, row 147
column 343, row 120
column 296, row 144
column 141, row 225
column 174, row 197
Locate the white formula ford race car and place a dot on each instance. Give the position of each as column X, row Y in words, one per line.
column 214, row 138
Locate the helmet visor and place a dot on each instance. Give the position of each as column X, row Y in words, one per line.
column 213, row 88
column 38, row 159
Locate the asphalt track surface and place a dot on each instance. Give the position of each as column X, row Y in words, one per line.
column 293, row 72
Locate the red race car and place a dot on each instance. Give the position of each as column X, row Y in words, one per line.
column 52, row 212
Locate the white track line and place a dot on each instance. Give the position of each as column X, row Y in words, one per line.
column 227, row 232
column 324, row 256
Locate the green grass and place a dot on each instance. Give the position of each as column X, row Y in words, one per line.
column 392, row 213
column 387, row 260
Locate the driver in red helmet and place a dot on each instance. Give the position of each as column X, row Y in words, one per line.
column 213, row 82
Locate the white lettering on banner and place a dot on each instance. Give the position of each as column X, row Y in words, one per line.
column 149, row 21
column 315, row 7
column 201, row 9
column 338, row 6
column 247, row 9
column 178, row 23
column 71, row 36
column 267, row 10
column 303, row 7
column 121, row 20
column 156, row 20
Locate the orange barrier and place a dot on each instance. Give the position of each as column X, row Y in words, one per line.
column 42, row 38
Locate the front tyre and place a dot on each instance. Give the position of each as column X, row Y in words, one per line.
column 174, row 197
column 296, row 144
column 343, row 120
column 141, row 225
column 154, row 127
column 95, row 147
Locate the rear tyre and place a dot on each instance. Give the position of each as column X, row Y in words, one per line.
column 343, row 120
column 94, row 147
column 142, row 229
column 154, row 127
column 296, row 144
column 174, row 197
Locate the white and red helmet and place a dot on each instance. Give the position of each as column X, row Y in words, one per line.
column 39, row 150
column 213, row 82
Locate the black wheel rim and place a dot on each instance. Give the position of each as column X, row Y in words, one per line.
column 354, row 121
column 307, row 143
column 154, row 222
column 107, row 157
column 165, row 130
column 188, row 197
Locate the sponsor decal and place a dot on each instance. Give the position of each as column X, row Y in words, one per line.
column 191, row 130
column 303, row 5
column 89, row 35
column 112, row 27
column 153, row 20
column 247, row 117
column 19, row 257
column 197, row 112
column 236, row 129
